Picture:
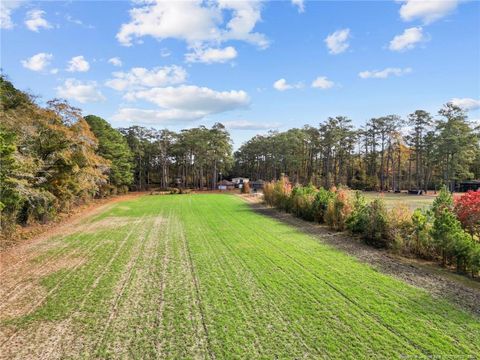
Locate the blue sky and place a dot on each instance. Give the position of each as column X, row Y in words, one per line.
column 253, row 66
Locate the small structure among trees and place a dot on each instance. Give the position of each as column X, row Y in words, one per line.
column 240, row 181
column 226, row 185
column 469, row 185
column 257, row 185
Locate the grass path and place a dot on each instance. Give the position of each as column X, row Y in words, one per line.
column 203, row 276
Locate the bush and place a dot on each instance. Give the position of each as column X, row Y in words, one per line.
column 358, row 220
column 338, row 210
column 277, row 193
column 419, row 241
column 376, row 230
column 245, row 188
column 268, row 193
column 444, row 200
column 301, row 202
column 398, row 229
column 467, row 209
column 320, row 204
column 475, row 259
column 445, row 232
column 399, row 220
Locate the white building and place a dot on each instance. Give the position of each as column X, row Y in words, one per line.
column 240, row 180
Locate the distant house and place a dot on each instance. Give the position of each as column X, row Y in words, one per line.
column 257, row 185
column 225, row 185
column 467, row 185
column 239, row 181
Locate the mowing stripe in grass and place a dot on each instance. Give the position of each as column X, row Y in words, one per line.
column 291, row 278
column 203, row 276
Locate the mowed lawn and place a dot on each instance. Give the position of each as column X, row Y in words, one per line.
column 203, row 276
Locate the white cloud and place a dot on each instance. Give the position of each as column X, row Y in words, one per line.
column 282, row 85
column 211, row 55
column 72, row 20
column 35, row 21
column 81, row 91
column 54, row 71
column 181, row 104
column 37, row 62
column 192, row 98
column 115, row 61
column 156, row 117
column 385, row 73
column 141, row 77
column 337, row 42
column 78, row 63
column 164, row 52
column 427, row 10
column 79, row 22
column 6, row 10
column 300, row 5
column 466, row 103
column 249, row 125
column 322, row 82
column 196, row 22
column 408, row 39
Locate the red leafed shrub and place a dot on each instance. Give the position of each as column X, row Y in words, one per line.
column 467, row 209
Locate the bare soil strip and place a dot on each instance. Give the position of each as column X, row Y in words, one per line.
column 29, row 341
column 22, row 251
column 440, row 283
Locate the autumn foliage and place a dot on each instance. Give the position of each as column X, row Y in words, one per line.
column 467, row 209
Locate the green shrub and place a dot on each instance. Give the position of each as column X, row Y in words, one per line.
column 420, row 241
column 320, row 204
column 358, row 219
column 444, row 200
column 475, row 259
column 376, row 230
column 445, row 232
column 301, row 202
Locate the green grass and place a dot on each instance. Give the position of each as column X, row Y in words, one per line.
column 412, row 201
column 203, row 276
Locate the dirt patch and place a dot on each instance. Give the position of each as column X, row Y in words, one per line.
column 19, row 303
column 13, row 253
column 109, row 222
column 29, row 343
column 35, row 232
column 439, row 282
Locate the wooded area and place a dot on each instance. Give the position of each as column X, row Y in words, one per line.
column 388, row 153
column 53, row 158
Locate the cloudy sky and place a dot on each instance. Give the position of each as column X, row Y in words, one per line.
column 253, row 66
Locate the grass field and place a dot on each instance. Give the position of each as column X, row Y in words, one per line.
column 203, row 276
column 412, row 201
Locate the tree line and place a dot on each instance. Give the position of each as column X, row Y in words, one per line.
column 53, row 158
column 387, row 153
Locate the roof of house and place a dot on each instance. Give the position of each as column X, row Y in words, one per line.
column 258, row 182
column 226, row 182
